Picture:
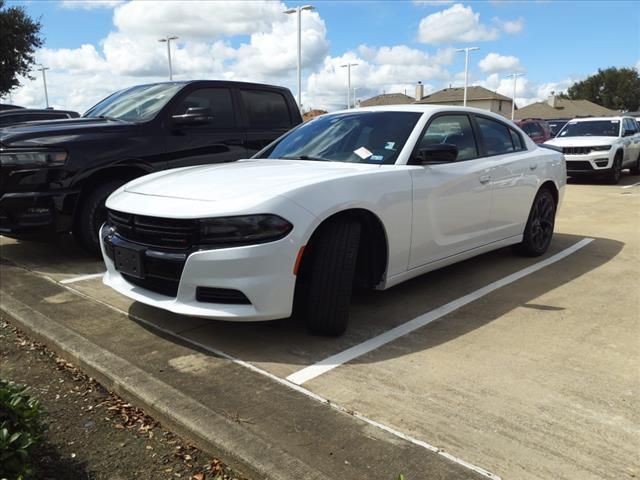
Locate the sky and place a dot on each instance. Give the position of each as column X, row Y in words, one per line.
column 95, row 47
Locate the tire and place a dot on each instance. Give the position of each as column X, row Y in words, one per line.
column 635, row 168
column 92, row 214
column 612, row 177
column 323, row 290
column 539, row 229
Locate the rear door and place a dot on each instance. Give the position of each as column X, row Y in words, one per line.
column 266, row 117
column 514, row 176
column 451, row 201
column 221, row 140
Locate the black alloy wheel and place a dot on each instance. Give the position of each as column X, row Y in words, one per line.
column 539, row 229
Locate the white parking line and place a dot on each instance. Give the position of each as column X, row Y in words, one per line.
column 81, row 278
column 293, row 386
column 632, row 185
column 329, row 363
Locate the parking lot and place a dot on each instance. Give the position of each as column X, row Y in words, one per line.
column 514, row 367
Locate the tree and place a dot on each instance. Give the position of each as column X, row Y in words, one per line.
column 614, row 88
column 19, row 39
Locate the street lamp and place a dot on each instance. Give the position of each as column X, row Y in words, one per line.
column 513, row 99
column 355, row 97
column 168, row 40
column 298, row 10
column 44, row 82
column 466, row 69
column 348, row 67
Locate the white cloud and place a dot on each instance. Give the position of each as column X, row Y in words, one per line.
column 527, row 91
column 495, row 62
column 638, row 65
column 89, row 4
column 461, row 24
column 433, row 2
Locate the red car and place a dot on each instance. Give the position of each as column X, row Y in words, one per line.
column 537, row 129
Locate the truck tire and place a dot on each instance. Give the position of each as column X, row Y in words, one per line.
column 324, row 295
column 635, row 168
column 612, row 177
column 539, row 229
column 92, row 214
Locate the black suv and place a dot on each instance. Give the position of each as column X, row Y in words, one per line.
column 56, row 175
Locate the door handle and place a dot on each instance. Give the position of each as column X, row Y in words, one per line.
column 485, row 179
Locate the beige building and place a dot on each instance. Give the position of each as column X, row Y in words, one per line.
column 555, row 108
column 477, row 97
column 387, row 99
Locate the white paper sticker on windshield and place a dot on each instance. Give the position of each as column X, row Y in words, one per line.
column 363, row 153
column 390, row 145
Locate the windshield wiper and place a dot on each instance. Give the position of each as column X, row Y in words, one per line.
column 307, row 157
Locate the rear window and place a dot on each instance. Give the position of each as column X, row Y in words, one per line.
column 266, row 109
column 496, row 135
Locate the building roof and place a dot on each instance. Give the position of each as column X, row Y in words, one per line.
column 564, row 108
column 312, row 114
column 457, row 94
column 387, row 99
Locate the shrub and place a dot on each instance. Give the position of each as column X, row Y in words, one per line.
column 20, row 429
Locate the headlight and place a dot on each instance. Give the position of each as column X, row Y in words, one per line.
column 44, row 159
column 601, row 148
column 243, row 230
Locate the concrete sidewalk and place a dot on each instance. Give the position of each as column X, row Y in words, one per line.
column 254, row 423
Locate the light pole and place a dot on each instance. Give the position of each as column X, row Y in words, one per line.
column 44, row 82
column 298, row 10
column 513, row 99
column 168, row 41
column 466, row 69
column 355, row 97
column 348, row 67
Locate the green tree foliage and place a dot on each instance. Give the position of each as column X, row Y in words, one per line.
column 614, row 88
column 19, row 39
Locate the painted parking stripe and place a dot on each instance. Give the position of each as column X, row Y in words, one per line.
column 282, row 381
column 329, row 363
column 81, row 278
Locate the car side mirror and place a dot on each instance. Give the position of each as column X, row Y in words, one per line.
column 194, row 116
column 436, row 154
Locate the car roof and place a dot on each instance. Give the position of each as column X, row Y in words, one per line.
column 590, row 119
column 422, row 108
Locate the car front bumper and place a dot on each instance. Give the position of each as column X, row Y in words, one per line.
column 593, row 163
column 262, row 273
column 34, row 214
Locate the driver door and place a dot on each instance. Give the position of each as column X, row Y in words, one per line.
column 451, row 201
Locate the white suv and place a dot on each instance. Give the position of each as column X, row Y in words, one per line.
column 600, row 146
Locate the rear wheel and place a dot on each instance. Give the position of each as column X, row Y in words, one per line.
column 635, row 168
column 325, row 283
column 612, row 177
column 539, row 230
column 92, row 214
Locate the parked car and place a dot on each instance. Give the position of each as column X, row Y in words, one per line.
column 601, row 146
column 556, row 125
column 371, row 197
column 20, row 115
column 56, row 175
column 537, row 129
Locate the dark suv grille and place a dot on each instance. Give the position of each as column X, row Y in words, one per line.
column 578, row 166
column 154, row 231
column 576, row 150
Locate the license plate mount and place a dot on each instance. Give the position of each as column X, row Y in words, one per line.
column 129, row 261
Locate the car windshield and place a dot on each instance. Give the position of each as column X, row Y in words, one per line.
column 591, row 128
column 358, row 137
column 136, row 104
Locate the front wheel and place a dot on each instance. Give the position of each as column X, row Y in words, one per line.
column 539, row 228
column 612, row 177
column 323, row 292
column 91, row 215
column 635, row 168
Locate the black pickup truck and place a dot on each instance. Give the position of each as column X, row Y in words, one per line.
column 56, row 175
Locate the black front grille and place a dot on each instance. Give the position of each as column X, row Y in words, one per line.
column 576, row 150
column 175, row 234
column 575, row 166
column 221, row 295
column 162, row 286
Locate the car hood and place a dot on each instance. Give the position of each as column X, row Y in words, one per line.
column 264, row 178
column 586, row 141
column 51, row 132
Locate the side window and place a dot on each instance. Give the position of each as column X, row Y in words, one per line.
column 517, row 140
column 496, row 136
column 217, row 100
column 266, row 109
column 453, row 129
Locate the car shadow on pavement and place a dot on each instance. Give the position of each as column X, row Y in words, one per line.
column 286, row 342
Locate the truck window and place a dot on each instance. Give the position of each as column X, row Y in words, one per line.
column 217, row 100
column 266, row 109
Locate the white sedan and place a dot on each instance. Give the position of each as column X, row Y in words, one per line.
column 362, row 198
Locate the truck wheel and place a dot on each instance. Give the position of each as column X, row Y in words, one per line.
column 539, row 229
column 92, row 214
column 635, row 168
column 324, row 295
column 612, row 177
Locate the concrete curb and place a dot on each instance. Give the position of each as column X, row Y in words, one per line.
column 183, row 415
